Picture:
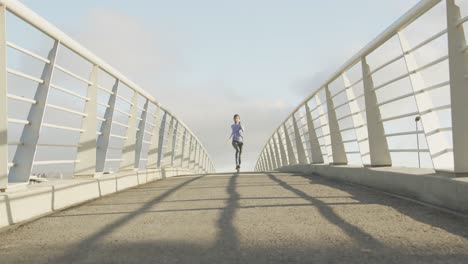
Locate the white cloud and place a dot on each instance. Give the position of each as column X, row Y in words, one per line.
column 148, row 57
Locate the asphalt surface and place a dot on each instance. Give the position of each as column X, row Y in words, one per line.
column 242, row 218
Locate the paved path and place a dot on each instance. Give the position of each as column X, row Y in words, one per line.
column 246, row 218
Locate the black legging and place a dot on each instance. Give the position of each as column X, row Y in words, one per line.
column 238, row 147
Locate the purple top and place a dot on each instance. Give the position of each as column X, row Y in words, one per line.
column 237, row 131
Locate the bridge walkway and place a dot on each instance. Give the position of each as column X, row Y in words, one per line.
column 242, row 218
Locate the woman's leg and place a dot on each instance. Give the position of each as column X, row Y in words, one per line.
column 240, row 144
column 236, row 147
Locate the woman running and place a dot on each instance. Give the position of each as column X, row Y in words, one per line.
column 237, row 138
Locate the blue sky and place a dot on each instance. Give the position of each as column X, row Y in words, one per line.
column 206, row 60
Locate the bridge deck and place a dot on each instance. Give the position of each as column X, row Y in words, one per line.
column 246, row 218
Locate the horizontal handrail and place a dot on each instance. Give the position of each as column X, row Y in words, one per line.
column 27, row 52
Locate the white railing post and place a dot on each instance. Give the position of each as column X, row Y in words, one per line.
column 277, row 155
column 338, row 151
column 25, row 153
column 315, row 149
column 301, row 156
column 262, row 163
column 186, row 156
column 167, row 147
column 266, row 164
column 205, row 159
column 175, row 137
column 86, row 152
column 261, row 166
column 199, row 152
column 181, row 147
column 378, row 147
column 161, row 139
column 269, row 157
column 359, row 125
column 129, row 148
column 189, row 149
column 192, row 153
column 106, row 127
column 284, row 157
column 458, row 67
column 324, row 126
column 140, row 135
column 431, row 124
column 291, row 157
column 201, row 159
column 153, row 149
column 182, row 154
column 3, row 103
column 272, row 154
column 195, row 156
column 175, row 144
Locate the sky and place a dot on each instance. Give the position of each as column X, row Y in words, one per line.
column 207, row 60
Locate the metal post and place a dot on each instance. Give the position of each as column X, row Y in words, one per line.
column 86, row 152
column 205, row 159
column 206, row 162
column 259, row 162
column 291, row 157
column 324, row 127
column 182, row 146
column 182, row 154
column 265, row 158
column 357, row 117
column 167, row 147
column 269, row 158
column 458, row 66
column 338, row 151
column 106, row 127
column 195, row 156
column 25, row 153
column 200, row 160
column 191, row 153
column 141, row 134
column 262, row 163
column 378, row 147
column 189, row 148
column 161, row 139
column 272, row 155
column 129, row 148
column 260, row 166
column 280, row 161
column 315, row 149
column 436, row 141
column 417, row 140
column 175, row 137
column 3, row 103
column 199, row 157
column 153, row 148
column 301, row 156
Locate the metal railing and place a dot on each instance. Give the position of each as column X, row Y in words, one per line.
column 399, row 101
column 83, row 126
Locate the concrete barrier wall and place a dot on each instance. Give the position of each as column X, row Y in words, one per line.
column 420, row 184
column 32, row 201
